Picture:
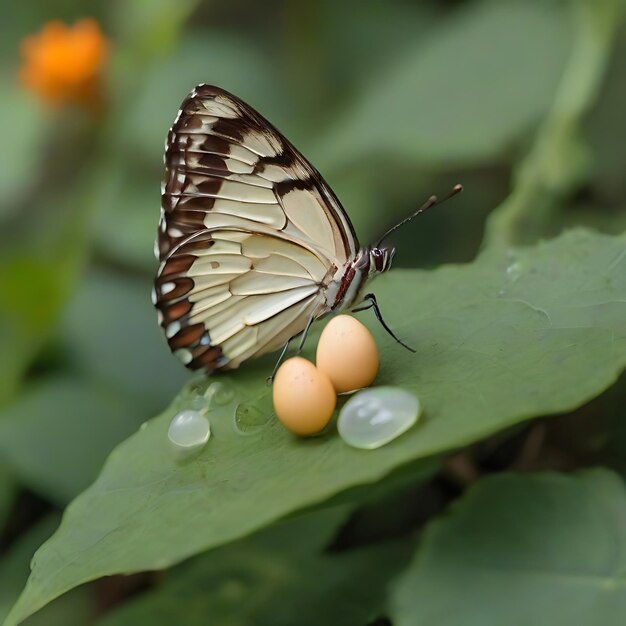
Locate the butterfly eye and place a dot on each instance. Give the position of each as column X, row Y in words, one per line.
column 377, row 252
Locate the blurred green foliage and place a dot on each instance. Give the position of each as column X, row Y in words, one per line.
column 239, row 584
column 520, row 100
column 469, row 561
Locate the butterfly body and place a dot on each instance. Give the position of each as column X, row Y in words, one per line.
column 253, row 244
column 350, row 282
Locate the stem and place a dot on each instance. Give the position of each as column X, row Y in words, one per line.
column 559, row 160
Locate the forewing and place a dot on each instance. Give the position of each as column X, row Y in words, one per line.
column 224, row 160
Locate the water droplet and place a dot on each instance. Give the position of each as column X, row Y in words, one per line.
column 198, row 403
column 251, row 417
column 514, row 271
column 189, row 431
column 376, row 416
column 219, row 393
column 197, row 386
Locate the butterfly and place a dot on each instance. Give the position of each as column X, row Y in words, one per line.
column 253, row 244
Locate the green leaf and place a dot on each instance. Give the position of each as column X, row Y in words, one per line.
column 215, row 57
column 118, row 188
column 73, row 609
column 56, row 436
column 110, row 328
column 374, row 40
column 271, row 578
column 518, row 550
column 149, row 28
column 506, row 338
column 8, row 491
column 464, row 93
column 23, row 126
column 30, row 298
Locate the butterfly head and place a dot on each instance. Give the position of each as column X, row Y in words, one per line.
column 380, row 259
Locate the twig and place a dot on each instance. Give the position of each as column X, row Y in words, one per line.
column 559, row 160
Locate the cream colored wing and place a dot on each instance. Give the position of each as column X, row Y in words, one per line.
column 238, row 295
column 223, row 160
column 249, row 235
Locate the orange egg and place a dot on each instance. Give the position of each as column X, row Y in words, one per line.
column 347, row 354
column 304, row 398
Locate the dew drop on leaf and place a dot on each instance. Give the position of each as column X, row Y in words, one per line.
column 189, row 430
column 219, row 393
column 514, row 271
column 198, row 403
column 251, row 417
column 374, row 417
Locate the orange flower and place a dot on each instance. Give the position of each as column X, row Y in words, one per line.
column 63, row 63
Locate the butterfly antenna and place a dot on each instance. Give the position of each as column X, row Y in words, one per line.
column 431, row 202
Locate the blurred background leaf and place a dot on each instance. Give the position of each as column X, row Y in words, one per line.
column 31, row 296
column 439, row 104
column 220, row 57
column 110, row 335
column 23, row 128
column 269, row 579
column 58, row 434
column 534, row 550
column 8, row 491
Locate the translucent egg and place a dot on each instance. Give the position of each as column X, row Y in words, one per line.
column 374, row 417
column 347, row 354
column 304, row 399
column 189, row 431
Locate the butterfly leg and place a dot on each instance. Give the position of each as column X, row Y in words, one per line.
column 379, row 316
column 270, row 379
column 303, row 334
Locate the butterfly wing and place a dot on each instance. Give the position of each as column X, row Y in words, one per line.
column 249, row 235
